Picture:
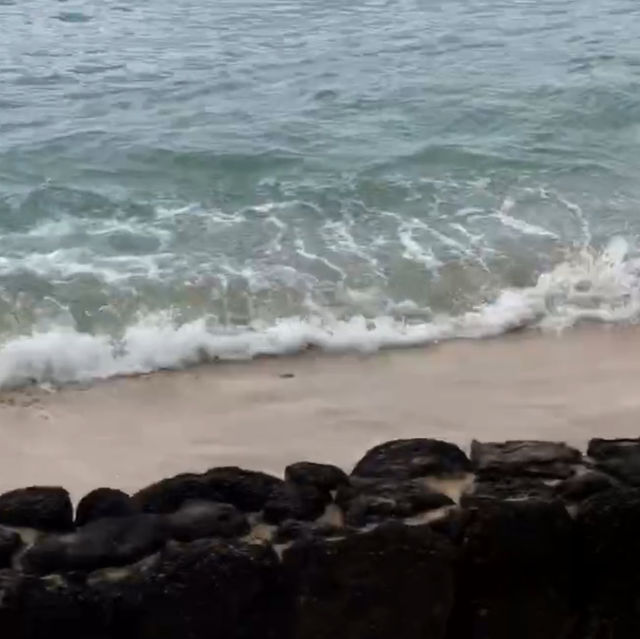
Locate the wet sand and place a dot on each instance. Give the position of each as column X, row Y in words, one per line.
column 264, row 414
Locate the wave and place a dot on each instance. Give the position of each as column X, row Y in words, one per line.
column 588, row 285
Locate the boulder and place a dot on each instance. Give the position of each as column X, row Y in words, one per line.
column 107, row 542
column 531, row 458
column 619, row 457
column 393, row 581
column 42, row 507
column 584, row 486
column 366, row 501
column 516, row 575
column 200, row 519
column 292, row 529
column 507, row 488
column 609, row 561
column 245, row 489
column 293, row 501
column 10, row 542
column 411, row 458
column 325, row 477
column 104, row 502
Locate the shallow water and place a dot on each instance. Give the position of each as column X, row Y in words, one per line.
column 189, row 180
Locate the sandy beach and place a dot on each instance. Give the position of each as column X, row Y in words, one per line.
column 264, row 414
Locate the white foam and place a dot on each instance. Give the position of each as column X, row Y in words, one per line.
column 601, row 285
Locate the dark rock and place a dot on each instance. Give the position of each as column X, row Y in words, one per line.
column 394, row 581
column 104, row 502
column 108, row 542
column 10, row 541
column 516, row 572
column 619, row 457
column 585, row 485
column 533, row 458
column 196, row 520
column 323, row 476
column 410, row 458
column 514, row 488
column 188, row 591
column 291, row 529
column 206, row 589
column 292, row 501
column 609, row 553
column 40, row 507
column 245, row 489
column 367, row 501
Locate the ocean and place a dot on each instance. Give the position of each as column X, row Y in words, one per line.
column 189, row 181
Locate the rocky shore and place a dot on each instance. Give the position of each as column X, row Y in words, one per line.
column 519, row 540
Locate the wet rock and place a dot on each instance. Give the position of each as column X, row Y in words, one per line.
column 205, row 589
column 104, row 502
column 394, row 581
column 245, row 489
column 292, row 501
column 609, row 545
column 516, row 572
column 509, row 488
column 10, row 541
column 41, row 507
column 323, row 476
column 367, row 501
column 291, row 530
column 531, row 458
column 196, row 520
column 619, row 457
column 108, row 542
column 410, row 458
column 585, row 485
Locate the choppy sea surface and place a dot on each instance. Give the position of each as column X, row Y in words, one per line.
column 193, row 180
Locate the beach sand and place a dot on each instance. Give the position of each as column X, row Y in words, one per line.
column 264, row 414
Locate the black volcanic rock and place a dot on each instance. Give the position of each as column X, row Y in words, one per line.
column 108, row 542
column 323, row 476
column 411, row 458
column 619, row 457
column 394, row 581
column 196, row 520
column 532, row 458
column 295, row 501
column 367, row 501
column 584, row 485
column 507, row 488
column 244, row 489
column 41, row 507
column 516, row 573
column 10, row 541
column 104, row 502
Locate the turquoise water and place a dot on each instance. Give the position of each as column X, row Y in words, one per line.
column 189, row 180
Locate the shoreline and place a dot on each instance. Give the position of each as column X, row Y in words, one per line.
column 127, row 431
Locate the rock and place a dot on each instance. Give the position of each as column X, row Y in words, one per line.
column 198, row 519
column 410, row 458
column 10, row 541
column 245, row 489
column 291, row 501
column 107, row 542
column 367, row 501
column 619, row 457
column 509, row 488
column 187, row 591
column 292, row 529
column 323, row 476
column 585, row 485
column 202, row 590
column 394, row 581
column 104, row 502
column 41, row 507
column 609, row 560
column 532, row 458
column 516, row 572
